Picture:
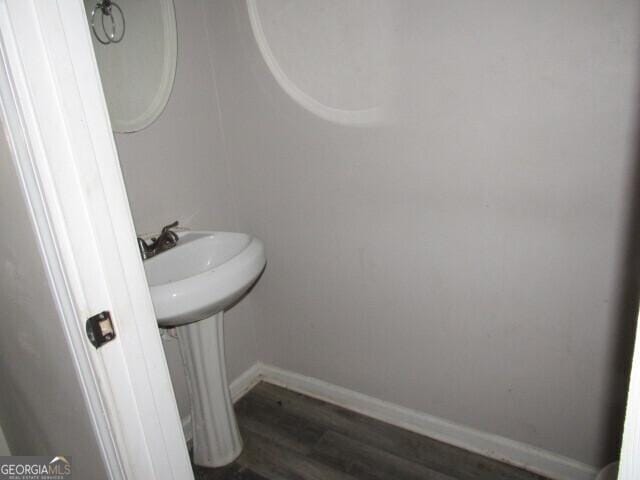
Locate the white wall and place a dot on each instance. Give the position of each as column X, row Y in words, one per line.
column 176, row 170
column 42, row 411
column 463, row 256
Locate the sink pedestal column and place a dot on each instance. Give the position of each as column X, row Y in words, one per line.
column 216, row 439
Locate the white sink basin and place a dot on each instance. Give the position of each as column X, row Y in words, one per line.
column 204, row 274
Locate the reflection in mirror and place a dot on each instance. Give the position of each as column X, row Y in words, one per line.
column 135, row 43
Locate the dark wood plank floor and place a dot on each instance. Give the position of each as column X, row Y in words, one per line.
column 289, row 436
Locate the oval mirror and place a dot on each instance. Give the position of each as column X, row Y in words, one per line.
column 135, row 43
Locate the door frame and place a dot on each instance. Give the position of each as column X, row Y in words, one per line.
column 56, row 121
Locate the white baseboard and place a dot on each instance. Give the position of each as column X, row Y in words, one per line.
column 534, row 459
column 515, row 453
column 245, row 381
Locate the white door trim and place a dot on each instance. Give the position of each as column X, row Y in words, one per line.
column 56, row 120
column 630, row 452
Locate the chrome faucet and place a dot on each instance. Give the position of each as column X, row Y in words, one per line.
column 166, row 240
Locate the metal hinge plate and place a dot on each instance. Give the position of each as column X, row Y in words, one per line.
column 100, row 329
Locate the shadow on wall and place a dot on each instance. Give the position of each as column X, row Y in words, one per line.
column 626, row 310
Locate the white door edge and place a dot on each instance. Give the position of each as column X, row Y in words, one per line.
column 630, row 452
column 56, row 121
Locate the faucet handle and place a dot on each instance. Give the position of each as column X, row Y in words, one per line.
column 167, row 235
column 166, row 228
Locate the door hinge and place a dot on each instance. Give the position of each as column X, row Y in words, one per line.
column 100, row 329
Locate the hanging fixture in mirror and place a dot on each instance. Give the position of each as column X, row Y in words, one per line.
column 108, row 30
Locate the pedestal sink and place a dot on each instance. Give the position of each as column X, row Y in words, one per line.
column 191, row 285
